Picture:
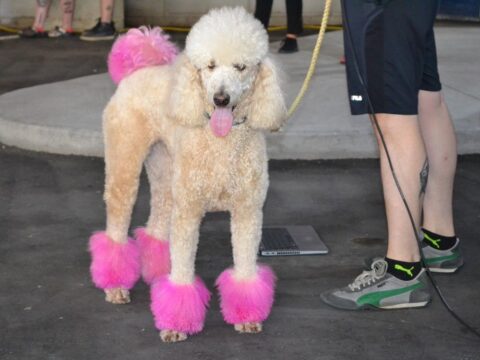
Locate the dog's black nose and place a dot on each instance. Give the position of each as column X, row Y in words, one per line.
column 221, row 99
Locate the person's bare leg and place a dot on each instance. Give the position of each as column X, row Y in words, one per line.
column 68, row 7
column 41, row 13
column 405, row 145
column 441, row 145
column 106, row 11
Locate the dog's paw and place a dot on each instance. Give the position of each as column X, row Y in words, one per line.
column 170, row 336
column 117, row 296
column 250, row 327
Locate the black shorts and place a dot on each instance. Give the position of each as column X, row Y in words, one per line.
column 394, row 45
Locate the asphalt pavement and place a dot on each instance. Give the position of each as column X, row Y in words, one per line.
column 49, row 308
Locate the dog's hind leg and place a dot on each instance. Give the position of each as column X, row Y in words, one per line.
column 246, row 291
column 115, row 266
column 179, row 301
column 153, row 240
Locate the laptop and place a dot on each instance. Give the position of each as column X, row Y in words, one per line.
column 291, row 240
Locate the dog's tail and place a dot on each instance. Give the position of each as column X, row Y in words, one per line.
column 137, row 49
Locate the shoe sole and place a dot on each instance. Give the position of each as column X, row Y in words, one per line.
column 446, row 270
column 377, row 308
column 100, row 38
column 60, row 37
column 443, row 270
column 405, row 306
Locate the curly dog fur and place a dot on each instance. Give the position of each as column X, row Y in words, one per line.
column 197, row 122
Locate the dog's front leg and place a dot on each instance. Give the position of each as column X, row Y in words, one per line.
column 246, row 291
column 179, row 301
column 115, row 266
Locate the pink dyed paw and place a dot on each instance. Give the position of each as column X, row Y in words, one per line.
column 154, row 255
column 246, row 301
column 114, row 265
column 178, row 307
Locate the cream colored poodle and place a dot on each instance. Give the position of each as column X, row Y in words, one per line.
column 197, row 121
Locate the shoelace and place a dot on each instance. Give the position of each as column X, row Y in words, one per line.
column 368, row 277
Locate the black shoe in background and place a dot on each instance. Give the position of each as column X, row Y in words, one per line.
column 101, row 31
column 31, row 33
column 289, row 45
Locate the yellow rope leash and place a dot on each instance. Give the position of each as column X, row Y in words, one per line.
column 313, row 61
column 8, row 29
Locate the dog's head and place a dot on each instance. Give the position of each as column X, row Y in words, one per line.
column 225, row 75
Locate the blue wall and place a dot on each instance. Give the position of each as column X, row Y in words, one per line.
column 460, row 8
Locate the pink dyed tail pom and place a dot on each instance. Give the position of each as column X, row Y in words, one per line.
column 154, row 255
column 179, row 307
column 137, row 49
column 113, row 264
column 249, row 300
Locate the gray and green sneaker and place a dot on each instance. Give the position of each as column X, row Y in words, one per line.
column 378, row 289
column 442, row 261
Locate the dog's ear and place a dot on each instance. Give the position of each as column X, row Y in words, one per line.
column 186, row 105
column 267, row 110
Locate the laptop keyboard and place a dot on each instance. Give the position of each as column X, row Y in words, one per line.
column 277, row 239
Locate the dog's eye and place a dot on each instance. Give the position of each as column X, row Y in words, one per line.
column 240, row 67
column 211, row 66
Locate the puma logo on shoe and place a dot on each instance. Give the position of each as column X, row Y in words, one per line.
column 405, row 270
column 434, row 242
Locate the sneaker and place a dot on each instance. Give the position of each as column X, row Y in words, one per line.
column 33, row 33
column 378, row 289
column 443, row 261
column 101, row 31
column 5, row 35
column 438, row 261
column 59, row 32
column 289, row 46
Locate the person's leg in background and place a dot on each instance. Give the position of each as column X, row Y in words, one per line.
column 263, row 10
column 41, row 13
column 106, row 11
column 68, row 7
column 294, row 26
column 66, row 30
column 105, row 28
column 37, row 30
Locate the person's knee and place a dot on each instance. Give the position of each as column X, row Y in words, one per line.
column 394, row 127
column 430, row 100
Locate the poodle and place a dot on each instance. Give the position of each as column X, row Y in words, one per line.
column 197, row 121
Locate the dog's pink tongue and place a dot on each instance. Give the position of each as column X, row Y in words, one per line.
column 221, row 121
